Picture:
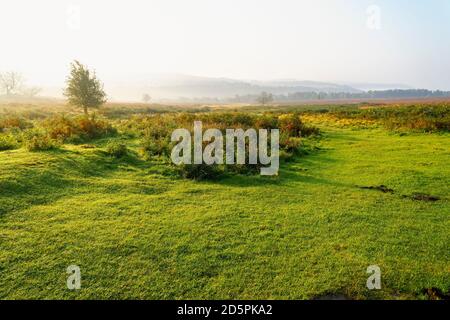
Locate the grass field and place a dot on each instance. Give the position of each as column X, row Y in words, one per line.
column 137, row 232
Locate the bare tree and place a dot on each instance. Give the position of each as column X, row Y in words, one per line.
column 11, row 82
column 265, row 98
column 146, row 98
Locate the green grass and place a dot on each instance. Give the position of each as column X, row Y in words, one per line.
column 139, row 233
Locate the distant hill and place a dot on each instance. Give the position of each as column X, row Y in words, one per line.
column 379, row 86
column 308, row 86
column 181, row 87
column 175, row 86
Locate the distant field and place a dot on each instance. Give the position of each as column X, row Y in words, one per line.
column 371, row 189
column 60, row 105
column 385, row 102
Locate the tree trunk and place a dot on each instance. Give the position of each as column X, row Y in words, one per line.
column 85, row 111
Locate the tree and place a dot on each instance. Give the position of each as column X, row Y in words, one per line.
column 265, row 98
column 11, row 82
column 146, row 98
column 83, row 89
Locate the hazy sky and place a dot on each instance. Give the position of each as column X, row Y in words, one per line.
column 324, row 40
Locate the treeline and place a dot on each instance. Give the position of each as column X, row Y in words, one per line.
column 384, row 94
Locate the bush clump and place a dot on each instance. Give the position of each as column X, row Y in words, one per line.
column 199, row 171
column 156, row 147
column 35, row 140
column 77, row 129
column 155, row 132
column 7, row 142
column 290, row 124
column 13, row 122
column 116, row 149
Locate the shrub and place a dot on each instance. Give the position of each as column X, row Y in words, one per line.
column 290, row 144
column 77, row 129
column 285, row 156
column 60, row 127
column 245, row 169
column 199, row 171
column 307, row 131
column 156, row 139
column 267, row 122
column 92, row 128
column 116, row 149
column 290, row 124
column 7, row 142
column 14, row 122
column 160, row 128
column 156, row 147
column 155, row 132
column 39, row 141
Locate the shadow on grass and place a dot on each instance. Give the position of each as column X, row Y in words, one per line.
column 67, row 171
column 62, row 175
column 305, row 169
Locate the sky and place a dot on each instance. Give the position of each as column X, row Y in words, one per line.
column 378, row 41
